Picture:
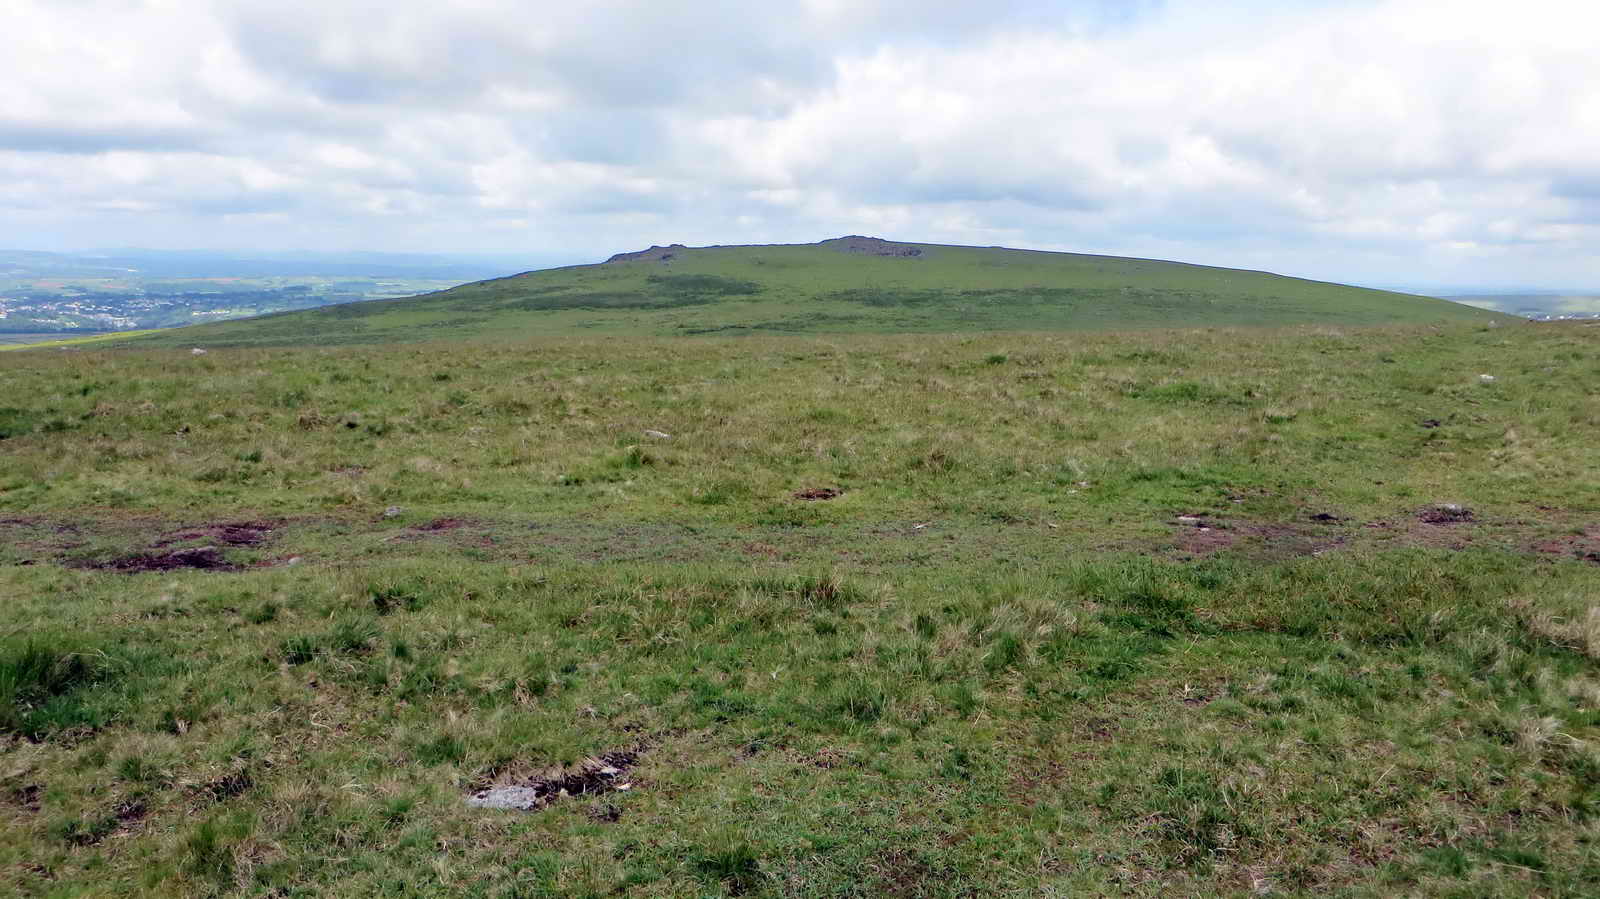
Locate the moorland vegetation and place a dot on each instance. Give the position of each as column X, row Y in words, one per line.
column 1205, row 611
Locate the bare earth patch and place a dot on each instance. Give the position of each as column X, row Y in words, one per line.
column 1200, row 536
column 1584, row 547
column 204, row 558
column 245, row 533
column 602, row 774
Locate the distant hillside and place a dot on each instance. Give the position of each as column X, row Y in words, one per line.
column 849, row 284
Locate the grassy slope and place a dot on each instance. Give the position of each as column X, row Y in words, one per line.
column 819, row 289
column 53, row 341
column 998, row 664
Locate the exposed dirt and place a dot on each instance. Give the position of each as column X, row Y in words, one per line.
column 225, row 787
column 26, row 796
column 1199, row 536
column 1584, row 547
column 602, row 774
column 203, row 558
column 815, row 493
column 1445, row 513
column 130, row 813
column 1203, row 541
column 442, row 524
column 243, row 533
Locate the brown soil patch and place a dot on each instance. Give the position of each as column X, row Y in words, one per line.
column 815, row 493
column 1447, row 513
column 225, row 787
column 1199, row 537
column 1584, row 547
column 442, row 524
column 1205, row 539
column 602, row 774
column 130, row 813
column 203, row 558
column 244, row 533
column 27, row 796
column 1417, row 531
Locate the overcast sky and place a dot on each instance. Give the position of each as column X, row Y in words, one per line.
column 1376, row 141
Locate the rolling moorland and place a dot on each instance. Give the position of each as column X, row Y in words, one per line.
column 845, row 285
column 1123, row 610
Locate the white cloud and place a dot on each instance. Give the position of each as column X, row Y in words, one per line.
column 1388, row 140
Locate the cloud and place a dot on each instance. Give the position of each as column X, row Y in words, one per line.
column 1372, row 140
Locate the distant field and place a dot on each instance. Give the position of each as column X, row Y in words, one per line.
column 1537, row 305
column 825, row 289
column 1201, row 612
column 25, row 339
column 68, row 340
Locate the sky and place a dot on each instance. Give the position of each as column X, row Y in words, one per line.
column 1393, row 142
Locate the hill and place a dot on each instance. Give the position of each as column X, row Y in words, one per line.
column 848, row 284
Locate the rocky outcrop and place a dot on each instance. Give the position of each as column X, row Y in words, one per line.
column 855, row 243
column 654, row 254
column 871, row 246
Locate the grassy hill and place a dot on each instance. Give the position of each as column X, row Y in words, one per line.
column 850, row 284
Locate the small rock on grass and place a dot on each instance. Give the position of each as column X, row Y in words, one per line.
column 657, row 435
column 392, row 512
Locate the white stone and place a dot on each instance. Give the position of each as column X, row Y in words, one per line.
column 521, row 799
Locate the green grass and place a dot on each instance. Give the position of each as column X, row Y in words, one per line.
column 821, row 289
column 999, row 662
column 46, row 342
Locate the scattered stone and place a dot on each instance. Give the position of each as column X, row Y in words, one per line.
column 657, row 435
column 653, row 254
column 392, row 512
column 872, row 246
column 1487, row 379
column 819, row 493
column 197, row 352
column 1430, row 423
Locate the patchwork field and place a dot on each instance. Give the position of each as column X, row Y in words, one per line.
column 1202, row 612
